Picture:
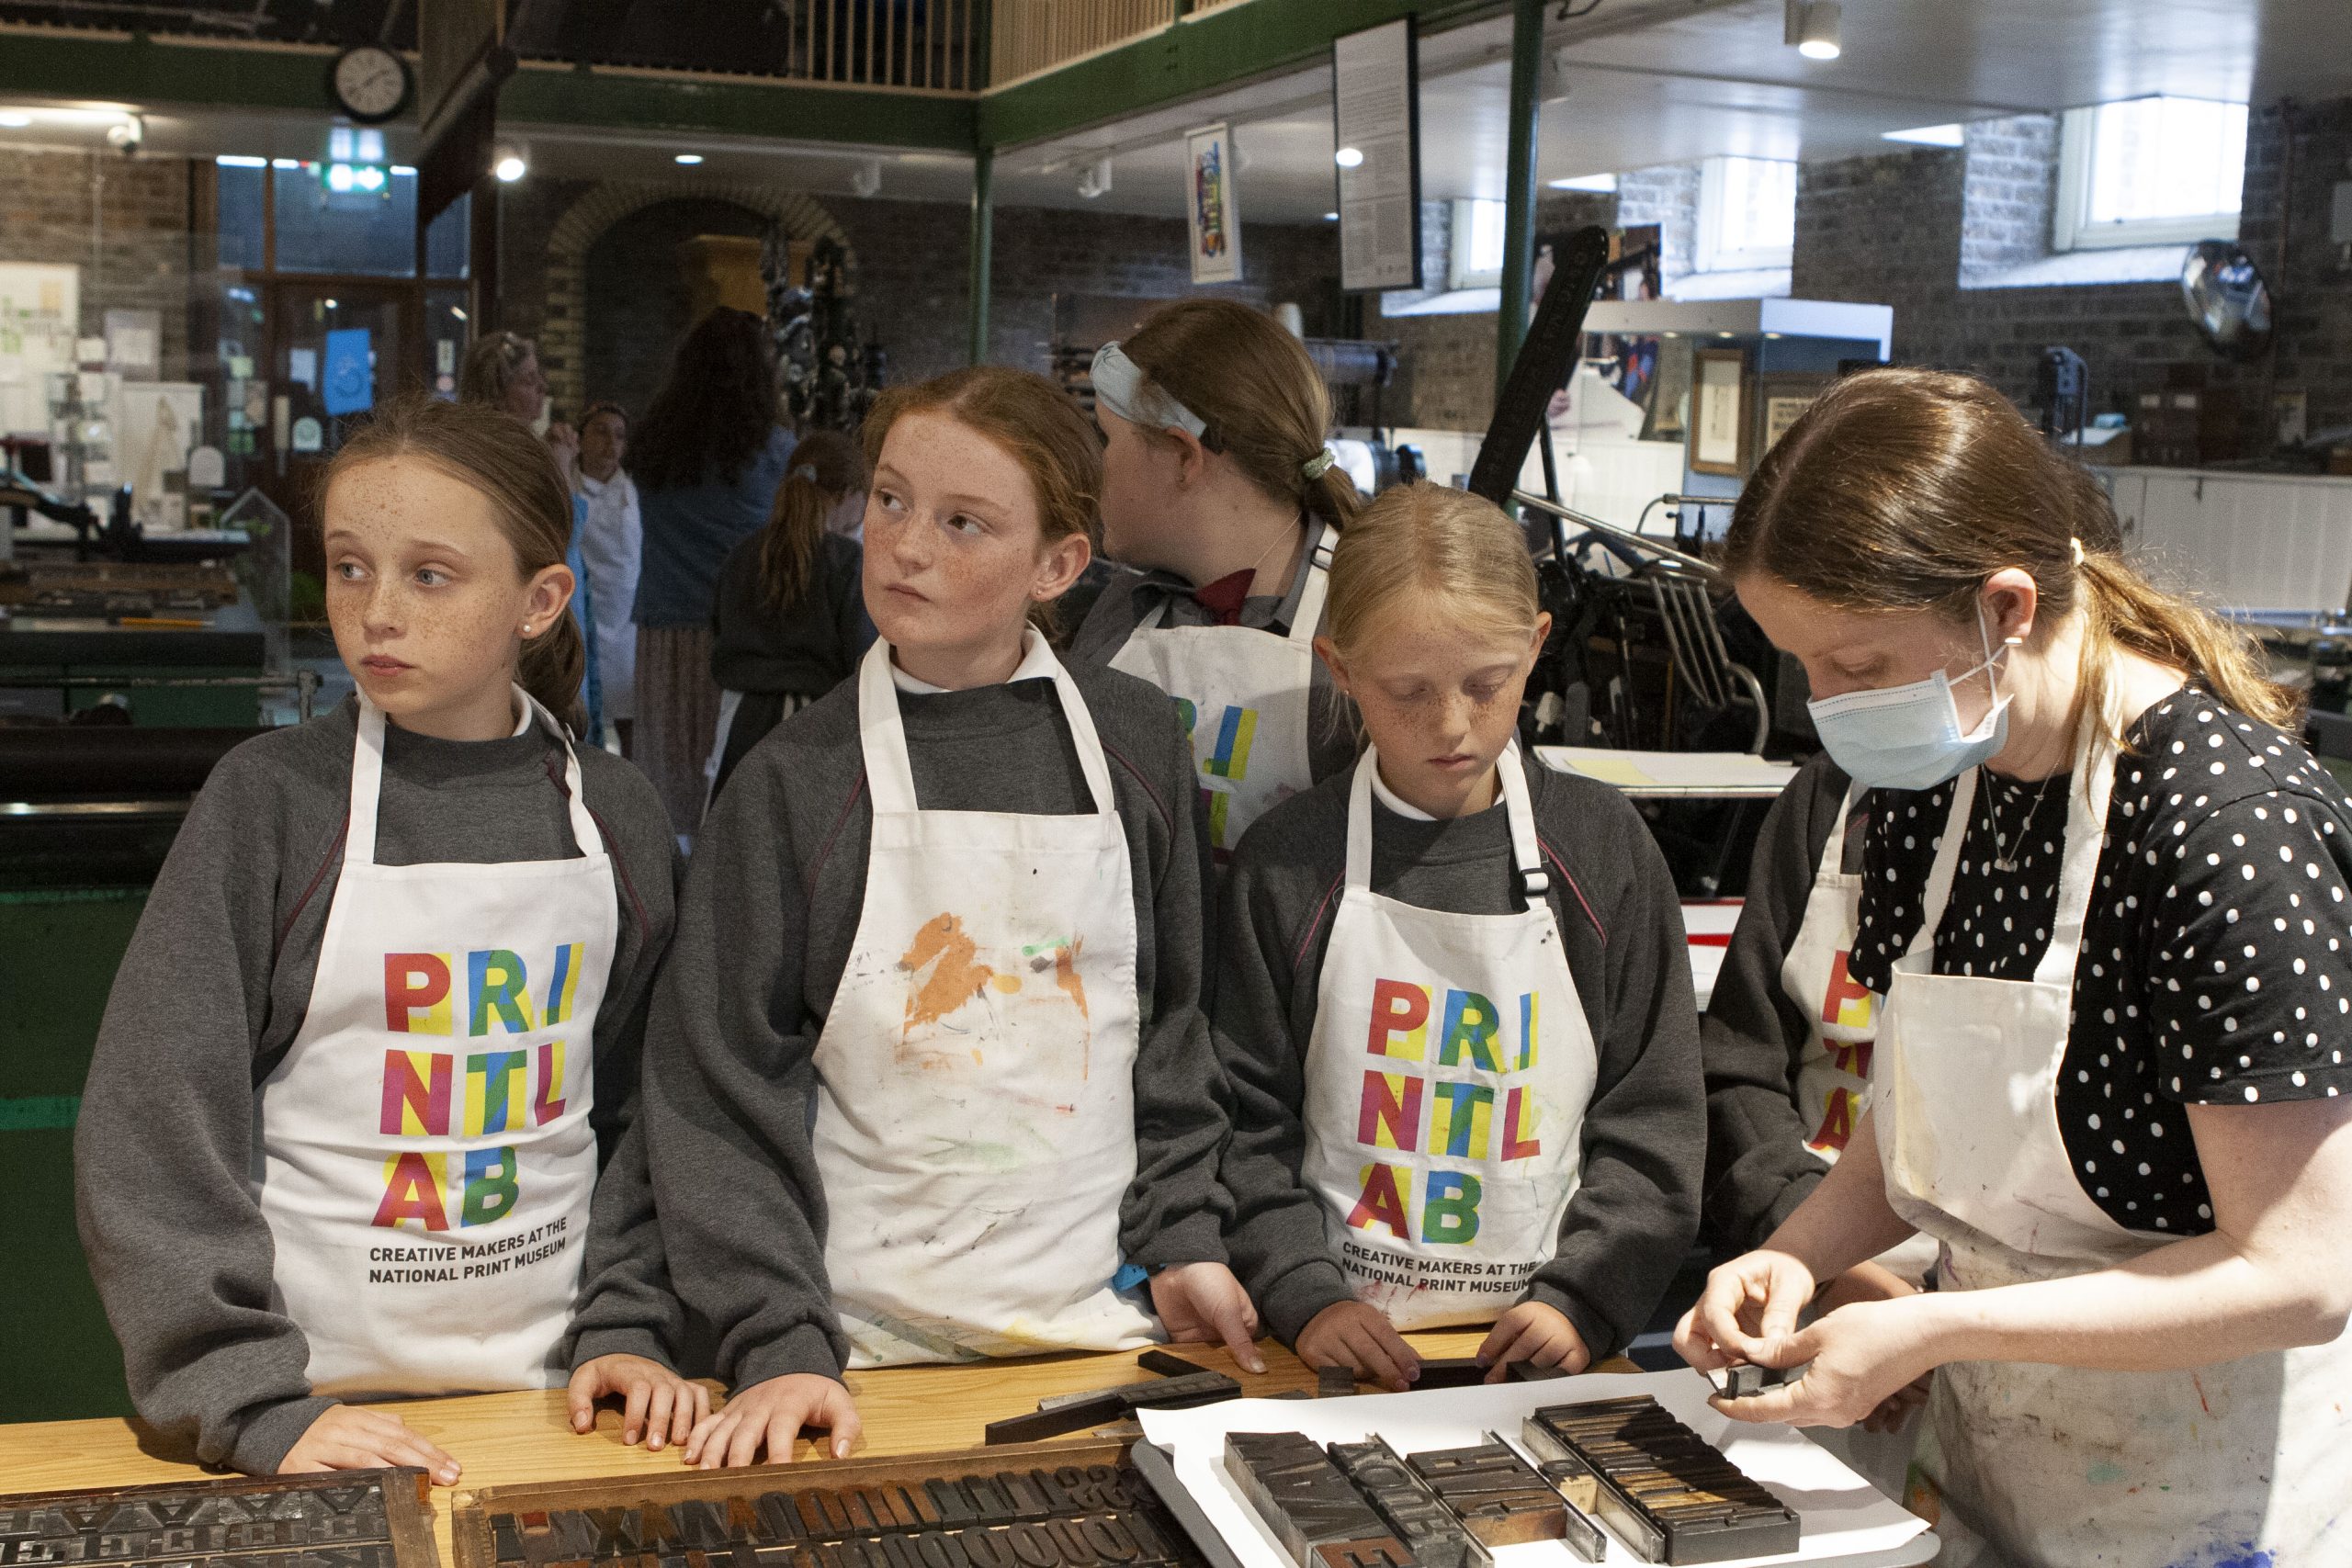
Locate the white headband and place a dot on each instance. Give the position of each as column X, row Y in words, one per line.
column 1118, row 385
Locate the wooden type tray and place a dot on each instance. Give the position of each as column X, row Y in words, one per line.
column 745, row 1519
column 353, row 1518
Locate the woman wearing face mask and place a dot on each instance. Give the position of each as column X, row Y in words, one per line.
column 2105, row 898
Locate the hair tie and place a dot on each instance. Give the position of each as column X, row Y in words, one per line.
column 1314, row 468
column 2077, row 546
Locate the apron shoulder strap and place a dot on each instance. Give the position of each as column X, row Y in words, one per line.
column 584, row 831
column 1947, row 863
column 1519, row 810
column 882, row 730
column 1308, row 620
column 1359, row 871
column 1833, row 853
column 367, row 786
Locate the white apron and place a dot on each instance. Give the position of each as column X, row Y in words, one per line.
column 1446, row 1085
column 2240, row 1461
column 1841, row 1023
column 1242, row 694
column 424, row 1158
column 975, row 1097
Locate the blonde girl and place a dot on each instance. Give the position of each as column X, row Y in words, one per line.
column 1453, row 1000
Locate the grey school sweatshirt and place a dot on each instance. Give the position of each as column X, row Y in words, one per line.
column 211, row 993
column 1633, row 1217
column 765, row 924
column 1759, row 1170
column 1130, row 598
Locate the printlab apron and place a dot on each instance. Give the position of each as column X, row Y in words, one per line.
column 426, row 1157
column 1841, row 1023
column 1242, row 694
column 975, row 1097
column 2245, row 1461
column 1446, row 1085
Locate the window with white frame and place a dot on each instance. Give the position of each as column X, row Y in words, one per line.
column 1748, row 214
column 2150, row 172
column 1476, row 258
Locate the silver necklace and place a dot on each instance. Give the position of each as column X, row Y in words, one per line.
column 2003, row 860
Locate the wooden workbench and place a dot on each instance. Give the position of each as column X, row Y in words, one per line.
column 501, row 1438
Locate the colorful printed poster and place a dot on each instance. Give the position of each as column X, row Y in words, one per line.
column 1210, row 215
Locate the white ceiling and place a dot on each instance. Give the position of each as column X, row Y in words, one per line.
column 1647, row 81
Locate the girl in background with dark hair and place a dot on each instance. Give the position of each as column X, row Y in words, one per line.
column 928, row 1078
column 2105, row 899
column 612, row 535
column 791, row 619
column 709, row 459
column 1218, row 489
column 383, row 1011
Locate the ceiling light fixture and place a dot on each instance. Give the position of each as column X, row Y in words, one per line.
column 14, row 120
column 1348, row 157
column 1928, row 135
column 1605, row 184
column 1811, row 26
column 510, row 163
column 689, row 159
column 865, row 180
column 1095, row 180
column 1330, row 218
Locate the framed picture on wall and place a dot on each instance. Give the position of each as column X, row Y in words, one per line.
column 1211, row 218
column 1718, row 426
column 1786, row 397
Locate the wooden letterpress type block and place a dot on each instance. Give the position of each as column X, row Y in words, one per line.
column 616, row 1532
column 900, row 1551
column 939, row 1550
column 506, row 1538
column 988, row 1548
column 954, row 1505
column 700, row 1522
column 1027, row 1501
column 1334, row 1382
column 1034, row 1546
column 1450, row 1371
column 859, row 1504
column 1114, row 1485
column 989, row 1500
column 913, row 1506
column 1378, row 1551
column 658, row 1531
column 1508, row 1518
column 777, row 1516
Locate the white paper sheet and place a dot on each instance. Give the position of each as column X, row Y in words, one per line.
column 1697, row 771
column 1841, row 1516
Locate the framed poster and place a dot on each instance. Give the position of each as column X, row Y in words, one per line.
column 1210, row 217
column 1718, row 430
column 1376, row 129
column 40, row 320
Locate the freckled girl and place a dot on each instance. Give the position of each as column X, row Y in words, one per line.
column 1454, row 1001
column 341, row 1136
column 928, row 1078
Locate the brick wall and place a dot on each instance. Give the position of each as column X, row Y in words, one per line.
column 1668, row 197
column 636, row 297
column 124, row 222
column 2008, row 190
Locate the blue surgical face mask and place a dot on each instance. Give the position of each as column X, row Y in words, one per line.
column 1909, row 737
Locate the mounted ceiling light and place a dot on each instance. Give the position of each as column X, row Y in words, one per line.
column 1606, row 184
column 1094, row 179
column 1348, row 157
column 12, row 119
column 1811, row 26
column 865, row 180
column 688, row 158
column 1928, row 135
column 510, row 162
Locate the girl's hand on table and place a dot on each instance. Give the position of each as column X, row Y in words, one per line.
column 345, row 1437
column 769, row 1415
column 1534, row 1332
column 657, row 1403
column 1201, row 1304
column 1360, row 1337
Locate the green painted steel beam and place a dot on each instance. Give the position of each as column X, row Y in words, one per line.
column 983, row 249
column 1200, row 54
column 111, row 67
column 1519, row 187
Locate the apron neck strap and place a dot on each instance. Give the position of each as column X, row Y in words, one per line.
column 367, row 782
column 1833, row 853
column 1518, row 813
column 1308, row 618
column 2091, row 787
column 882, row 730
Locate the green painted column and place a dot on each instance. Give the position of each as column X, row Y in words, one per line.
column 983, row 228
column 1519, row 185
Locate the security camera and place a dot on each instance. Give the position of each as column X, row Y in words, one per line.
column 128, row 137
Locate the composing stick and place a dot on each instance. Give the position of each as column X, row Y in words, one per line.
column 369, row 1518
column 1167, row 1366
column 1450, row 1372
column 1060, row 1413
column 1427, row 1526
column 1497, row 1494
column 1744, row 1380
column 1307, row 1503
column 1669, row 1493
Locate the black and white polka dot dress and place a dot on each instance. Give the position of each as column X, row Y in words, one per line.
column 2216, row 965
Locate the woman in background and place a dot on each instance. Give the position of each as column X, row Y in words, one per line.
column 791, row 618
column 709, row 459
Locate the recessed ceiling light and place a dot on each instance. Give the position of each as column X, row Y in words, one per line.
column 510, row 163
column 689, row 158
column 14, row 120
column 240, row 161
column 1348, row 157
column 1605, row 183
column 1928, row 135
column 1330, row 218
